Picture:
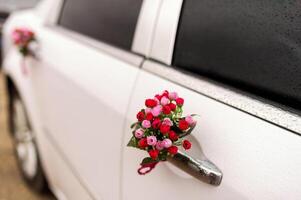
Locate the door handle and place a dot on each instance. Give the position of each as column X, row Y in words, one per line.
column 202, row 169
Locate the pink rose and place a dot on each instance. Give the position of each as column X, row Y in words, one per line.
column 164, row 101
column 167, row 121
column 148, row 110
column 16, row 37
column 173, row 95
column 167, row 143
column 189, row 120
column 156, row 111
column 159, row 145
column 151, row 140
column 139, row 133
column 146, row 124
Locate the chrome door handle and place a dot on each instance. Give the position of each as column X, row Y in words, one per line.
column 201, row 169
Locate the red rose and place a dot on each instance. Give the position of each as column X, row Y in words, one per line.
column 165, row 93
column 150, row 103
column 180, row 101
column 166, row 110
column 186, row 144
column 164, row 128
column 153, row 154
column 172, row 106
column 140, row 116
column 183, row 125
column 142, row 143
column 149, row 116
column 173, row 150
column 158, row 97
column 172, row 135
column 156, row 123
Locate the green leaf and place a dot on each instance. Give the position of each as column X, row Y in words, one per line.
column 163, row 156
column 133, row 142
column 178, row 142
column 147, row 160
column 134, row 124
column 23, row 50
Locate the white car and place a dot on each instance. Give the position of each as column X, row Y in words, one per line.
column 237, row 64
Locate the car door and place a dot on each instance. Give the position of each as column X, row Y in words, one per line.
column 252, row 139
column 83, row 78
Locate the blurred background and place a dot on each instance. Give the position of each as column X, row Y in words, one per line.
column 12, row 185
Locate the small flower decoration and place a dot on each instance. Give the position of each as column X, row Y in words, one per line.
column 23, row 38
column 160, row 128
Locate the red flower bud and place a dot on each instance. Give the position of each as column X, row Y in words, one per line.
column 172, row 135
column 158, row 97
column 173, row 150
column 140, row 116
column 153, row 154
column 164, row 128
column 149, row 116
column 183, row 124
column 165, row 93
column 150, row 103
column 180, row 101
column 186, row 144
column 172, row 106
column 142, row 143
column 166, row 110
column 156, row 123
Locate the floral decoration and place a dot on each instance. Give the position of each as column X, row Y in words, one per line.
column 160, row 128
column 23, row 38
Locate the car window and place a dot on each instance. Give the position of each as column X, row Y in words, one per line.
column 251, row 45
column 111, row 21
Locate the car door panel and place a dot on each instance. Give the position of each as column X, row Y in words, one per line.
column 83, row 96
column 258, row 159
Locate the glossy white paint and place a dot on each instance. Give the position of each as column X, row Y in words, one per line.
column 166, row 29
column 64, row 183
column 79, row 90
column 144, row 33
column 49, row 11
column 258, row 160
column 81, row 96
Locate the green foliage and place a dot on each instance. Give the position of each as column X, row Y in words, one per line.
column 163, row 155
column 147, row 160
column 134, row 124
column 133, row 142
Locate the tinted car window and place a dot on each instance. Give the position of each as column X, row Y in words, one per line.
column 111, row 21
column 252, row 45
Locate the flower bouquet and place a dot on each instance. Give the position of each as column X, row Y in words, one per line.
column 23, row 38
column 160, row 129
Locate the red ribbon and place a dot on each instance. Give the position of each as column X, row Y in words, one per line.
column 146, row 168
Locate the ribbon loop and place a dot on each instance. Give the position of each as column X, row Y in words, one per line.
column 146, row 168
